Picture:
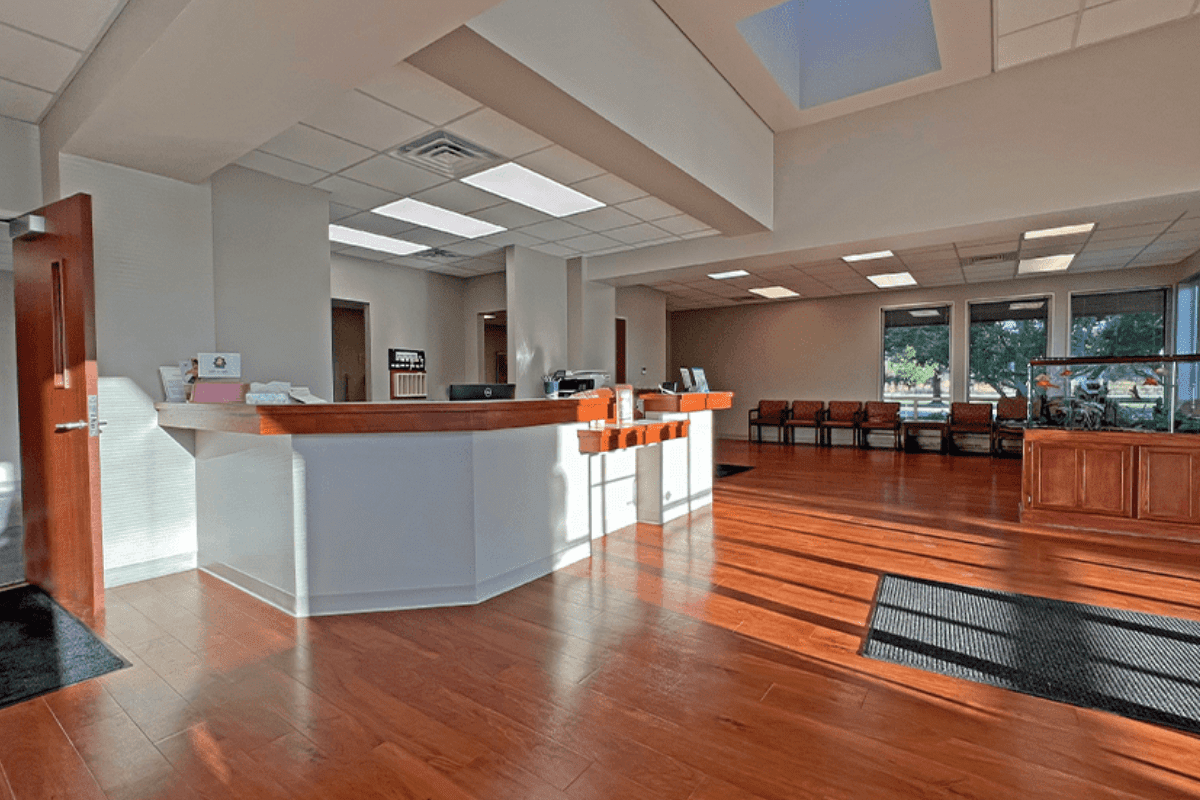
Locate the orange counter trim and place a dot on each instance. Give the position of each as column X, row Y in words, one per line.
column 621, row 437
column 687, row 403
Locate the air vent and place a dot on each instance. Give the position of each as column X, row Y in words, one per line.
column 991, row 258
column 440, row 254
column 446, row 154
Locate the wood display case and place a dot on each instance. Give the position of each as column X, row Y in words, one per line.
column 1123, row 481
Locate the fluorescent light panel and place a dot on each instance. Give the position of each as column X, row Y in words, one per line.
column 733, row 273
column 925, row 312
column 774, row 292
column 522, row 185
column 440, row 219
column 892, row 280
column 868, row 256
column 1045, row 264
column 1066, row 230
column 373, row 241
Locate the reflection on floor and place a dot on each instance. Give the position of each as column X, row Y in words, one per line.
column 12, row 555
column 714, row 657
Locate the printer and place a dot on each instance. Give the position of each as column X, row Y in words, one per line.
column 573, row 381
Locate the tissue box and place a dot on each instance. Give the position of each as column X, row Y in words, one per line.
column 268, row 398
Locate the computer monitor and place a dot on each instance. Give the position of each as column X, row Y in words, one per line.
column 482, row 391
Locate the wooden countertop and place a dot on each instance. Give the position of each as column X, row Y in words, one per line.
column 1128, row 436
column 397, row 417
column 688, row 402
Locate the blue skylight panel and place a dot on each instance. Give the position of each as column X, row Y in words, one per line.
column 820, row 51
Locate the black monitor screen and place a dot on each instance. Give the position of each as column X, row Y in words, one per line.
column 483, row 391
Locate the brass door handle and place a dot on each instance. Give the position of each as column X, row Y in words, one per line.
column 63, row 427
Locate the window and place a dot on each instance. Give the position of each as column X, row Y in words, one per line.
column 1004, row 336
column 916, row 360
column 1119, row 323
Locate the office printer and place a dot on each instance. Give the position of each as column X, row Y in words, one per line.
column 572, row 381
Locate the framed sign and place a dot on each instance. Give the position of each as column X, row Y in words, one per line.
column 219, row 365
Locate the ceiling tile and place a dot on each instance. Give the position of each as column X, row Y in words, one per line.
column 75, row 23
column 636, row 234
column 982, row 248
column 1186, row 224
column 33, row 61
column 430, row 238
column 407, row 88
column 23, row 102
column 495, row 132
column 354, row 194
column 512, row 215
column 589, row 243
column 560, row 164
column 388, row 173
column 458, row 197
column 280, row 167
column 411, row 262
column 649, row 209
column 473, row 247
column 377, row 223
column 337, row 212
column 510, row 237
column 1013, row 15
column 1126, row 16
column 551, row 249
column 681, row 224
column 368, row 122
column 1127, row 232
column 603, row 219
column 608, row 189
column 697, row 234
column 315, row 149
column 941, row 279
column 1036, row 42
column 553, row 230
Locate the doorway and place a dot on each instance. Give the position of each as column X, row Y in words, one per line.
column 350, row 361
column 620, row 350
column 495, row 346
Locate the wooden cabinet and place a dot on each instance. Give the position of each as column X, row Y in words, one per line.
column 1124, row 481
column 1169, row 484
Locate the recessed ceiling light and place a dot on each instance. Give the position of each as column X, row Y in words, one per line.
column 925, row 312
column 868, row 256
column 1028, row 306
column 1045, row 264
column 373, row 241
column 733, row 273
column 529, row 188
column 892, row 279
column 774, row 292
column 441, row 219
column 1066, row 230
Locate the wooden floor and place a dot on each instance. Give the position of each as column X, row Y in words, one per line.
column 713, row 659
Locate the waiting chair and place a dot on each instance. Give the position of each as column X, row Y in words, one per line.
column 805, row 414
column 880, row 417
column 769, row 413
column 844, row 414
column 969, row 418
column 1011, row 416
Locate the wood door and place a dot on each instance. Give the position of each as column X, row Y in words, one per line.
column 349, row 353
column 1055, row 471
column 1106, row 480
column 1169, row 484
column 56, row 374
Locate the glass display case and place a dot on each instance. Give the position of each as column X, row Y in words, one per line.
column 1149, row 393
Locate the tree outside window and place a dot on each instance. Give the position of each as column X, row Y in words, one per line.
column 1004, row 337
column 1119, row 323
column 916, row 360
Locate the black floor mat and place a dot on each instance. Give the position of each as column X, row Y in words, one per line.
column 725, row 470
column 1140, row 666
column 43, row 648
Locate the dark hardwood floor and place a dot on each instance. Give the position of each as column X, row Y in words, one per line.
column 712, row 659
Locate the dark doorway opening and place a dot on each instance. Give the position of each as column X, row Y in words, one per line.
column 495, row 346
column 350, row 361
column 620, row 350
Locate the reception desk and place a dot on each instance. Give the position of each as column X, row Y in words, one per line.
column 350, row 507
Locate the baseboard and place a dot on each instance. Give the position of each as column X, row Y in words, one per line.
column 145, row 570
column 271, row 595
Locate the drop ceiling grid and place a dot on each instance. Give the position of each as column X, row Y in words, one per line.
column 42, row 45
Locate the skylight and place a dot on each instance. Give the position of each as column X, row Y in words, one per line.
column 892, row 280
column 440, row 219
column 774, row 292
column 820, row 51
column 733, row 273
column 373, row 241
column 521, row 185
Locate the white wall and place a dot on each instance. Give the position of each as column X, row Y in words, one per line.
column 271, row 278
column 645, row 313
column 536, row 288
column 409, row 308
column 830, row 349
column 20, row 170
column 591, row 311
column 154, row 306
column 480, row 296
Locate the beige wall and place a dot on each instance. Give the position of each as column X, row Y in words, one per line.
column 645, row 313
column 536, row 291
column 409, row 308
column 481, row 295
column 830, row 349
column 271, row 278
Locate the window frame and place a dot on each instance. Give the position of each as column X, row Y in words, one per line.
column 1168, row 314
column 1049, row 296
column 951, row 314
